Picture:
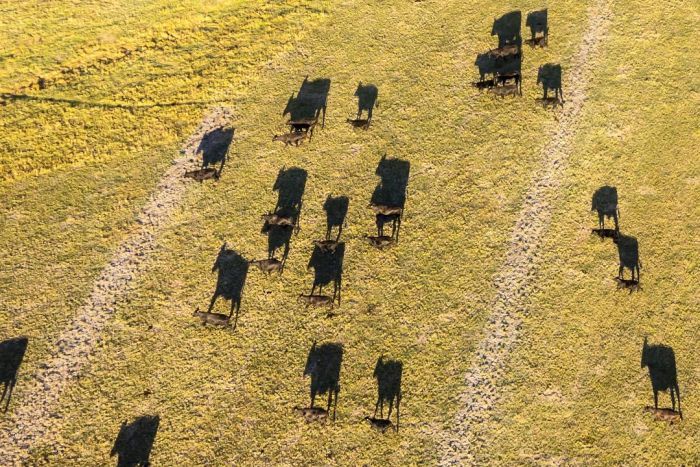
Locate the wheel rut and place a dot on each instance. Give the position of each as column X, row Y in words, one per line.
column 462, row 443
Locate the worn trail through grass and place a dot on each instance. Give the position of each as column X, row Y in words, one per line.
column 32, row 421
column 514, row 281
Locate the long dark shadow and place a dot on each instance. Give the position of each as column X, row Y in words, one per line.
column 135, row 440
column 11, row 355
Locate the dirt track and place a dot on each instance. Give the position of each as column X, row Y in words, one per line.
column 463, row 442
column 32, row 419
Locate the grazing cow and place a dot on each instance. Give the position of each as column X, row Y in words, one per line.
column 628, row 252
column 279, row 220
column 379, row 424
column 388, row 375
column 361, row 123
column 385, row 210
column 664, row 415
column 327, row 245
column 11, row 355
column 661, row 362
column 269, row 265
column 135, row 441
column 312, row 414
column 290, row 138
column 305, row 125
column 604, row 201
column 215, row 319
column 323, row 366
column 549, row 75
column 507, row 90
column 203, row 174
column 316, row 300
column 381, row 242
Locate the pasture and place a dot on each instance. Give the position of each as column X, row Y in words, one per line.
column 102, row 100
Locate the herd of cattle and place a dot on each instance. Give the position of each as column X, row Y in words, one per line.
column 500, row 69
column 500, row 72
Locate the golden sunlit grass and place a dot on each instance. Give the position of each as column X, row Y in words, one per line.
column 226, row 398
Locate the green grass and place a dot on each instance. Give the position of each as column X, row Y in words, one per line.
column 226, row 398
column 576, row 390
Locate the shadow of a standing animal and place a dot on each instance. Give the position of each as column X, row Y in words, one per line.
column 328, row 268
column 549, row 76
column 661, row 362
column 310, row 102
column 336, row 210
column 628, row 253
column 214, row 148
column 232, row 270
column 323, row 367
column 507, row 28
column 366, row 99
column 604, row 202
column 388, row 374
column 11, row 355
column 135, row 440
column 539, row 30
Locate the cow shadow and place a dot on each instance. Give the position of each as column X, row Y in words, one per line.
column 388, row 374
column 214, row 147
column 135, row 440
column 392, row 188
column 232, row 270
column 549, row 76
column 628, row 253
column 507, row 28
column 11, row 355
column 539, row 29
column 310, row 102
column 604, row 202
column 328, row 269
column 323, row 367
column 278, row 238
column 661, row 363
column 336, row 211
column 290, row 186
column 366, row 99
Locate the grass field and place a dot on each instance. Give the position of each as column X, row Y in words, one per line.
column 80, row 157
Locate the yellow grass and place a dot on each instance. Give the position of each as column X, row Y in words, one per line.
column 76, row 175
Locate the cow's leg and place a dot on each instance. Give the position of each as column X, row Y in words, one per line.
column 620, row 273
column 391, row 407
column 9, row 387
column 376, row 406
column 656, row 399
column 601, row 220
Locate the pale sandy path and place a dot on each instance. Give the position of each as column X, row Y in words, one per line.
column 33, row 416
column 513, row 283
